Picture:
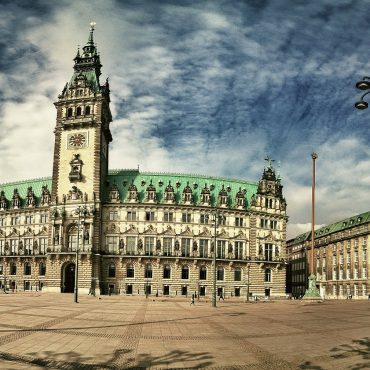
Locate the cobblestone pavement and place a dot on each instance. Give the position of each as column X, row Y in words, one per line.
column 39, row 331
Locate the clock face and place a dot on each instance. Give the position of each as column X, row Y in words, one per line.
column 77, row 140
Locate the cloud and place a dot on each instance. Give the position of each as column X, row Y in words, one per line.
column 206, row 87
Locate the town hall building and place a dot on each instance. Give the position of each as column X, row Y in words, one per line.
column 132, row 232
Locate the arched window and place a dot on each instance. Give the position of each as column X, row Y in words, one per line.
column 130, row 272
column 268, row 275
column 27, row 268
column 166, row 272
column 203, row 273
column 237, row 274
column 13, row 268
column 42, row 269
column 185, row 272
column 87, row 110
column 112, row 270
column 220, row 273
column 148, row 272
column 69, row 112
column 78, row 111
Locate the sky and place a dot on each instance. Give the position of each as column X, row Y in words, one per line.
column 204, row 87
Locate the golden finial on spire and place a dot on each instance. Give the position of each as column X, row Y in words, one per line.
column 92, row 26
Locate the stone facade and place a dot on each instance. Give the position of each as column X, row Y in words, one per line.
column 341, row 258
column 134, row 232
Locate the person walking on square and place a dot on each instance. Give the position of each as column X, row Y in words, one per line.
column 192, row 302
column 221, row 297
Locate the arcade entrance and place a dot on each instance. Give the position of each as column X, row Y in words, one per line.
column 68, row 278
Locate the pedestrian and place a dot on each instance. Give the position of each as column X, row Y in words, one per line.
column 192, row 302
column 221, row 297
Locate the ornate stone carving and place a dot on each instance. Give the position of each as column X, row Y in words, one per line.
column 76, row 168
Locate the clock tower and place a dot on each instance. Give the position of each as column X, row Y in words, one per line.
column 80, row 169
column 82, row 132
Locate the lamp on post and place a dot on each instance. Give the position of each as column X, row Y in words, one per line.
column 248, row 271
column 216, row 216
column 364, row 84
column 80, row 211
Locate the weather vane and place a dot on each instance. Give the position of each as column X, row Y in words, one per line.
column 92, row 26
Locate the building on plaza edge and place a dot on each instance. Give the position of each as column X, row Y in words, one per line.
column 341, row 258
column 136, row 233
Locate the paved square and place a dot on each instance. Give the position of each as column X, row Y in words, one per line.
column 50, row 331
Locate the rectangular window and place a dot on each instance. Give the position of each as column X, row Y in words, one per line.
column 149, row 245
column 268, row 251
column 29, row 219
column 273, row 224
column 238, row 275
column 204, row 219
column 43, row 243
column 131, row 245
column 131, row 216
column 185, row 247
column 167, row 246
column 186, row 217
column 239, row 250
column 14, row 246
column 2, row 247
column 263, row 223
column 168, row 217
column 222, row 220
column 130, row 273
column 15, row 220
column 112, row 244
column 221, row 248
column 364, row 272
column 203, row 248
column 239, row 221
column 27, row 243
column 113, row 215
column 149, row 216
column 44, row 218
column 2, row 221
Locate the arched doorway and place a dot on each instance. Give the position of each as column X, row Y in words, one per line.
column 68, row 278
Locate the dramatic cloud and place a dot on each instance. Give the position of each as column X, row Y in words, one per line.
column 205, row 87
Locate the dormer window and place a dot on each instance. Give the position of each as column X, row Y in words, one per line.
column 45, row 198
column 187, row 194
column 240, row 198
column 222, row 197
column 151, row 193
column 114, row 193
column 30, row 199
column 16, row 199
column 132, row 193
column 169, row 194
column 205, row 196
column 3, row 201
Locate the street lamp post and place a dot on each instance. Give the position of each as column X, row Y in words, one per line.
column 215, row 218
column 248, row 270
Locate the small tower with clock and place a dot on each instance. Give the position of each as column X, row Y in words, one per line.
column 82, row 131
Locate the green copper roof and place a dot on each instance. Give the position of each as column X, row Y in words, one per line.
column 347, row 223
column 90, row 76
column 341, row 225
column 124, row 178
column 22, row 187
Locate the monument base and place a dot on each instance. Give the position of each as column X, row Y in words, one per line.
column 312, row 293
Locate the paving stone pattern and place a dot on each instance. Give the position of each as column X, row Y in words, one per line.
column 39, row 331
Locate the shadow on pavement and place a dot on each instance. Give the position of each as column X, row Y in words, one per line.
column 360, row 347
column 121, row 359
